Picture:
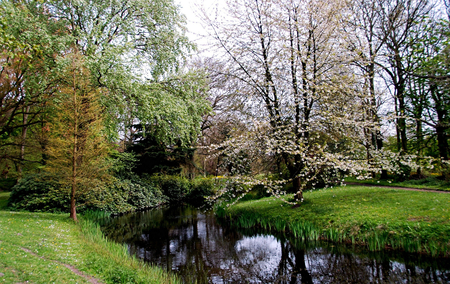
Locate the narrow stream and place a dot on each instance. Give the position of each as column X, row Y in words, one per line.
column 194, row 245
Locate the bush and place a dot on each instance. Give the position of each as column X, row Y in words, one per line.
column 200, row 188
column 174, row 187
column 39, row 192
column 130, row 195
column 7, row 184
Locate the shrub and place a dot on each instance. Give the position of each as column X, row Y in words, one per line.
column 7, row 184
column 174, row 187
column 39, row 192
column 200, row 188
column 129, row 195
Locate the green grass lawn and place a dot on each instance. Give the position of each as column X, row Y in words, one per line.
column 426, row 183
column 51, row 248
column 373, row 216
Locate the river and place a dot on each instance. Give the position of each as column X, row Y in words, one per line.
column 193, row 244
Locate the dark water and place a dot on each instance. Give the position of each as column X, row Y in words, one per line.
column 194, row 245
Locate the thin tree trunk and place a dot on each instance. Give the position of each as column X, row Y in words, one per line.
column 441, row 128
column 442, row 140
column 23, row 138
column 397, row 127
column 73, row 210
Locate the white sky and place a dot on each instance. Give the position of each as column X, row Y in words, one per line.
column 191, row 9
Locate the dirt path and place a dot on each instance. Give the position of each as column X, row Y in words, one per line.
column 397, row 187
column 72, row 268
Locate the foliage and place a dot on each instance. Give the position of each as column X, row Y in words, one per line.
column 135, row 49
column 43, row 192
column 174, row 187
column 29, row 46
column 40, row 192
column 181, row 189
column 123, row 164
column 77, row 147
column 429, row 88
column 201, row 188
column 7, row 183
column 129, row 195
column 153, row 156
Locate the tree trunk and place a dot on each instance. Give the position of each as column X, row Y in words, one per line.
column 23, row 138
column 442, row 141
column 296, row 182
column 73, row 208
column 441, row 128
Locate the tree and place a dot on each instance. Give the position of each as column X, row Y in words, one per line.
column 134, row 49
column 131, row 48
column 399, row 20
column 28, row 45
column 362, row 28
column 291, row 63
column 429, row 84
column 77, row 146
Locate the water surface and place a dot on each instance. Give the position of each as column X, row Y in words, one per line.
column 195, row 246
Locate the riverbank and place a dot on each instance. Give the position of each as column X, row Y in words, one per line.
column 379, row 218
column 51, row 248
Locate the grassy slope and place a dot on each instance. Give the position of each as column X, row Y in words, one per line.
column 426, row 183
column 414, row 221
column 54, row 240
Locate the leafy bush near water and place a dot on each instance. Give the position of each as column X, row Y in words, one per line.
column 178, row 188
column 174, row 187
column 129, row 195
column 42, row 192
column 200, row 188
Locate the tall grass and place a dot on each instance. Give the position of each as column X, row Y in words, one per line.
column 114, row 260
column 377, row 218
column 373, row 240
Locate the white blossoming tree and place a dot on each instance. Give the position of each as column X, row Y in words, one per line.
column 309, row 104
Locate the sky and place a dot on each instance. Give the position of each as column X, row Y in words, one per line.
column 191, row 9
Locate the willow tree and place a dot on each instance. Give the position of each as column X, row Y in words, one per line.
column 132, row 48
column 77, row 147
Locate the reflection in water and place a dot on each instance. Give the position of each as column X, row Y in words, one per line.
column 192, row 244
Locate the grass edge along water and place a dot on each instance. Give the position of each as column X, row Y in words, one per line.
column 36, row 247
column 377, row 218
